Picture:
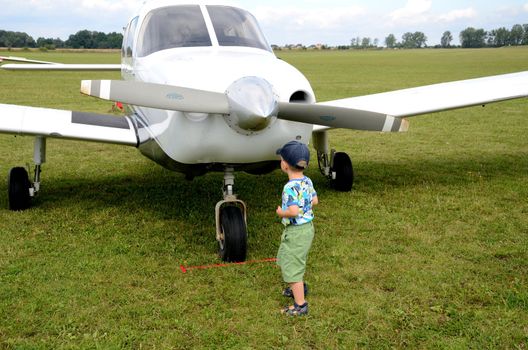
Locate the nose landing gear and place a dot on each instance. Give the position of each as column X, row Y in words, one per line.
column 231, row 223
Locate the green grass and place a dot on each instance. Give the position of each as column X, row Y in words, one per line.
column 429, row 250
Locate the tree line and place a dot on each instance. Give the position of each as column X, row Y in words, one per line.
column 469, row 38
column 475, row 38
column 83, row 39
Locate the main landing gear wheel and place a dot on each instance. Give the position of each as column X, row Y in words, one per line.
column 233, row 244
column 342, row 172
column 18, row 189
column 337, row 167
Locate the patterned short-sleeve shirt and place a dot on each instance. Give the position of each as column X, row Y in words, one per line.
column 299, row 192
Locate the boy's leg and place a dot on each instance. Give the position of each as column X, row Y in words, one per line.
column 298, row 292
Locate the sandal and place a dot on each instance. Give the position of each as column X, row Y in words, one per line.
column 296, row 310
column 289, row 294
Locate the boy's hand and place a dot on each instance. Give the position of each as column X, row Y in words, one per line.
column 291, row 212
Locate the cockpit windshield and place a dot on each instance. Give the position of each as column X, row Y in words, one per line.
column 184, row 26
column 235, row 27
column 172, row 27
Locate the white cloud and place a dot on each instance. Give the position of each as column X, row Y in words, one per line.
column 119, row 10
column 310, row 18
column 420, row 11
column 526, row 7
column 457, row 15
column 85, row 8
column 414, row 11
column 104, row 5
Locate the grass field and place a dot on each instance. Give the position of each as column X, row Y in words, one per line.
column 429, row 251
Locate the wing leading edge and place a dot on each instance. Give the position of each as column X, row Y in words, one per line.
column 54, row 123
column 440, row 97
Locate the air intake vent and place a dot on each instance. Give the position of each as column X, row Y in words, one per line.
column 300, row 97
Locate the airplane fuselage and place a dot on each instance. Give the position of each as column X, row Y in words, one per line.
column 198, row 142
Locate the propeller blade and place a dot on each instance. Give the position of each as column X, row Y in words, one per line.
column 157, row 96
column 340, row 117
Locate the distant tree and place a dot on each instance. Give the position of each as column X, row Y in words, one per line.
column 100, row 41
column 45, row 42
column 516, row 35
column 390, row 41
column 58, row 43
column 365, row 42
column 420, row 39
column 16, row 39
column 115, row 40
column 360, row 43
column 446, row 40
column 525, row 36
column 375, row 43
column 473, row 38
column 499, row 37
column 413, row 40
column 81, row 40
column 94, row 40
column 407, row 41
column 2, row 38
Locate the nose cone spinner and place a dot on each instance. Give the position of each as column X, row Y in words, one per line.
column 253, row 105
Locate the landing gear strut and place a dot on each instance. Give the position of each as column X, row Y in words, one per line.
column 20, row 189
column 335, row 166
column 231, row 222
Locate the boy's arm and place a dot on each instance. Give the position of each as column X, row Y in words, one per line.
column 291, row 212
column 315, row 201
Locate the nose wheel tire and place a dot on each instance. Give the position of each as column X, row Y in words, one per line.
column 18, row 189
column 233, row 244
column 342, row 172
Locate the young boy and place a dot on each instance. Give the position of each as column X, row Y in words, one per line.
column 298, row 199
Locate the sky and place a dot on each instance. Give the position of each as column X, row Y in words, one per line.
column 331, row 22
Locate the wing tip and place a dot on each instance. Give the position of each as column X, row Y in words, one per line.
column 404, row 126
column 86, row 87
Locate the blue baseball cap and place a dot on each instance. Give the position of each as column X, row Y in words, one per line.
column 295, row 154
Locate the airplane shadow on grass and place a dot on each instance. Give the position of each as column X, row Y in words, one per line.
column 158, row 194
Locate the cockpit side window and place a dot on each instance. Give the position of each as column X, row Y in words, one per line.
column 236, row 27
column 129, row 38
column 172, row 27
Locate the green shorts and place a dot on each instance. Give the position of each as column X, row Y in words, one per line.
column 293, row 251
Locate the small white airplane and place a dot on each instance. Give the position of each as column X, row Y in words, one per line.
column 205, row 92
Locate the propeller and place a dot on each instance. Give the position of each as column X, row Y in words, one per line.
column 249, row 105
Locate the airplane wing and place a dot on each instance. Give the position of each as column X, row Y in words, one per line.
column 401, row 104
column 386, row 112
column 54, row 123
column 62, row 67
column 35, row 65
column 23, row 60
column 441, row 97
